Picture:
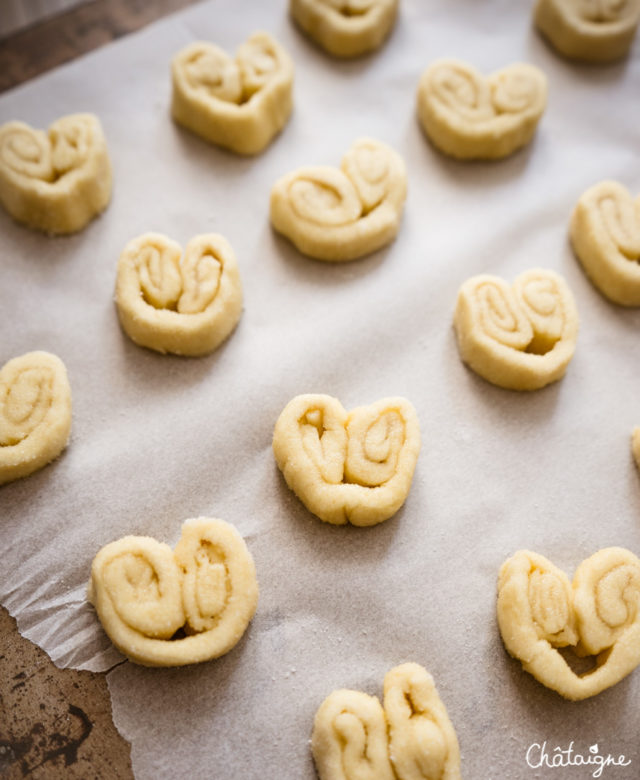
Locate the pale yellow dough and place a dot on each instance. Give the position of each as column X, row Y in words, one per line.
column 605, row 234
column 412, row 738
column 470, row 116
column 635, row 445
column 239, row 104
column 345, row 28
column 55, row 181
column 520, row 337
column 539, row 610
column 144, row 592
column 35, row 413
column 590, row 30
column 349, row 739
column 187, row 303
column 352, row 467
column 341, row 214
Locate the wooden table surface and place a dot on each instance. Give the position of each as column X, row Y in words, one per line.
column 59, row 39
column 56, row 723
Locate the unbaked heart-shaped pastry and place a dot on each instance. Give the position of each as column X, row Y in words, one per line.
column 162, row 607
column 240, row 104
column 520, row 337
column 341, row 214
column 412, row 738
column 591, row 30
column 345, row 28
column 470, row 116
column 598, row 615
column 55, row 181
column 186, row 304
column 352, row 467
column 605, row 234
column 35, row 413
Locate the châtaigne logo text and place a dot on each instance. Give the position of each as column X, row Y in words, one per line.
column 541, row 755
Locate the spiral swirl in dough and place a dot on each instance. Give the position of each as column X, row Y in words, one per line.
column 239, row 104
column 341, row 214
column 590, row 30
column 539, row 610
column 184, row 304
column 345, row 28
column 470, row 116
column 412, row 738
column 422, row 741
column 348, row 467
column 55, row 181
column 145, row 593
column 35, row 413
column 605, row 234
column 520, row 337
column 349, row 739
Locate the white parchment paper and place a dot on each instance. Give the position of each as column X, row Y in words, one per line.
column 158, row 439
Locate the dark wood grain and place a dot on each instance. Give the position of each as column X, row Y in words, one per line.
column 63, row 38
column 54, row 723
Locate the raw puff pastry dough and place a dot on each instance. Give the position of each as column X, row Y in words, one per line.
column 184, row 304
column 352, row 467
column 635, row 445
column 520, row 337
column 35, row 413
column 240, row 104
column 55, row 181
column 341, row 214
column 144, row 592
column 469, row 116
column 605, row 234
column 592, row 30
column 539, row 610
column 412, row 738
column 345, row 28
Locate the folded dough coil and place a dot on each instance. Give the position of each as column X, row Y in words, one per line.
column 345, row 28
column 55, row 181
column 539, row 611
column 605, row 234
column 349, row 739
column 470, row 116
column 35, row 413
column 412, row 738
column 352, row 467
column 145, row 593
column 239, row 104
column 187, row 304
column 520, row 337
column 590, row 30
column 341, row 214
